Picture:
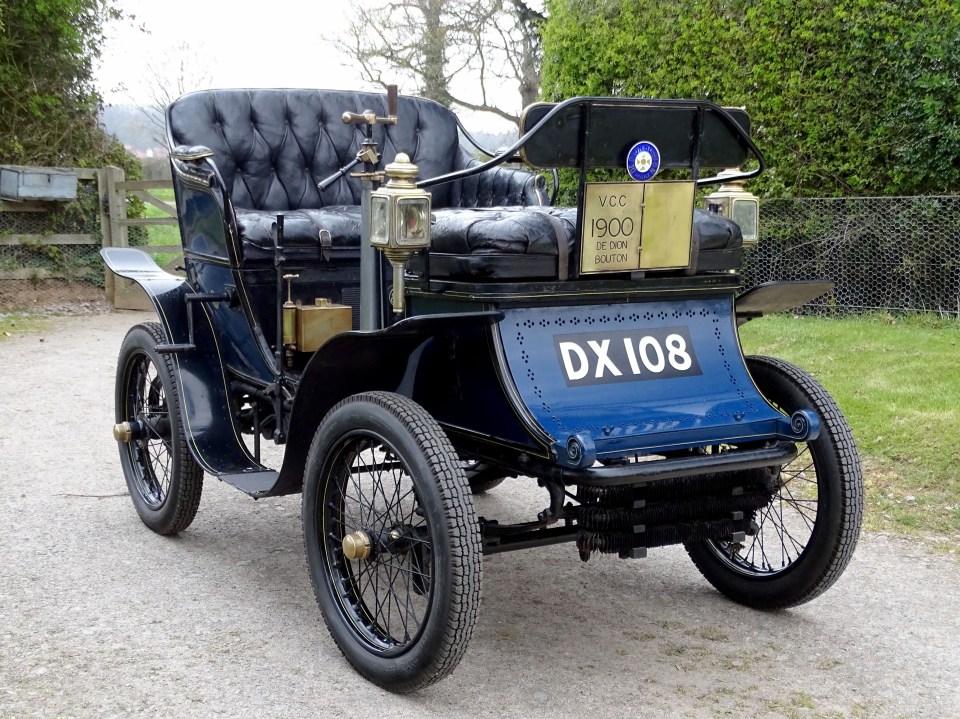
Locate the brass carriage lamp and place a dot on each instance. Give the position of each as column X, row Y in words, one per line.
column 400, row 220
column 733, row 202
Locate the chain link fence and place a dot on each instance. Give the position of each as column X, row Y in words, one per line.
column 28, row 247
column 895, row 254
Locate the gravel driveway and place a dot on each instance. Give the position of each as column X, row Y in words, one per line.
column 99, row 617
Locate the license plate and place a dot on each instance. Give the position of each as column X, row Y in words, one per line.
column 590, row 358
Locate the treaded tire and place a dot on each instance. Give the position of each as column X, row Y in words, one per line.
column 751, row 577
column 164, row 479
column 403, row 616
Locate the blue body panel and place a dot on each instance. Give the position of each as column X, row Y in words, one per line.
column 643, row 377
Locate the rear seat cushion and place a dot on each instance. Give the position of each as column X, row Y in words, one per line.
column 522, row 243
column 505, row 243
column 301, row 233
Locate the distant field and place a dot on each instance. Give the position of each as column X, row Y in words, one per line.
column 163, row 235
column 897, row 380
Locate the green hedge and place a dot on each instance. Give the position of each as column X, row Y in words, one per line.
column 847, row 97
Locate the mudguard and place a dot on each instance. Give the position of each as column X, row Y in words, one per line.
column 391, row 359
column 605, row 381
column 771, row 297
column 201, row 376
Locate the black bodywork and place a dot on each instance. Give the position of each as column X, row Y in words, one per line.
column 622, row 392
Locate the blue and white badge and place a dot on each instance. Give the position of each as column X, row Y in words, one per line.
column 643, row 161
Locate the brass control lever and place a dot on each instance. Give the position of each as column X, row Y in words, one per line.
column 369, row 117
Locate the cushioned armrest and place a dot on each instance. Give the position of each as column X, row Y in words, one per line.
column 190, row 153
column 497, row 187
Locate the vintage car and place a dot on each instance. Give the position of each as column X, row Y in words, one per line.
column 422, row 328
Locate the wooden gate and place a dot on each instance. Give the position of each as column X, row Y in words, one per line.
column 113, row 191
column 123, row 293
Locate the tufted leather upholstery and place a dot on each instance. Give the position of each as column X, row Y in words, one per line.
column 271, row 148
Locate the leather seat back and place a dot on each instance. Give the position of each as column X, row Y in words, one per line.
column 273, row 146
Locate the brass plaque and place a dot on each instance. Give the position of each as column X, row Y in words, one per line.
column 612, row 218
column 636, row 225
column 667, row 225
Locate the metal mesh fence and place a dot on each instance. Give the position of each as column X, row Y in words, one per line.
column 32, row 260
column 884, row 253
column 895, row 254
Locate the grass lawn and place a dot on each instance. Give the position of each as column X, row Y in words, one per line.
column 897, row 381
column 16, row 323
column 163, row 235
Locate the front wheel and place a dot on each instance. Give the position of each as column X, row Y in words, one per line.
column 392, row 540
column 806, row 536
column 164, row 479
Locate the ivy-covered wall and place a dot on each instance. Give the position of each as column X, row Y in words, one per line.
column 847, row 97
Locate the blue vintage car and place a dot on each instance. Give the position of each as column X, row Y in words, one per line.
column 415, row 325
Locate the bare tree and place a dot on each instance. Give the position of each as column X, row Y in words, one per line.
column 430, row 43
column 170, row 74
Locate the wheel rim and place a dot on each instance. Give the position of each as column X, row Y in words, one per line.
column 151, row 455
column 785, row 526
column 386, row 597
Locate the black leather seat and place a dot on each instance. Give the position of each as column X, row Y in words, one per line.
column 541, row 243
column 271, row 148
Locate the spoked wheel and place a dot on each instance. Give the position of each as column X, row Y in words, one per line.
column 806, row 535
column 164, row 479
column 392, row 540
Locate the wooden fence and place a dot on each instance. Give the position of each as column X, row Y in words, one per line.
column 112, row 191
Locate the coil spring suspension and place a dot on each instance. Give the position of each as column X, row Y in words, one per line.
column 626, row 520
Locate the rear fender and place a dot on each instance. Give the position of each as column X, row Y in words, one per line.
column 777, row 297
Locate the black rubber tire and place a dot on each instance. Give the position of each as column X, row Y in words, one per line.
column 164, row 479
column 483, row 477
column 831, row 535
column 381, row 450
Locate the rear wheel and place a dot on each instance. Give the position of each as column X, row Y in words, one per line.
column 164, row 479
column 483, row 477
column 392, row 540
column 806, row 535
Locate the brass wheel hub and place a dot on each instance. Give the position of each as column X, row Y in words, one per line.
column 357, row 545
column 123, row 432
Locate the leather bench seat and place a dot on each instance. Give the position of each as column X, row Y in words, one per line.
column 301, row 233
column 719, row 242
column 509, row 243
column 271, row 147
column 505, row 243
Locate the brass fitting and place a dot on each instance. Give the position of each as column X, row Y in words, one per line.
column 357, row 545
column 123, row 432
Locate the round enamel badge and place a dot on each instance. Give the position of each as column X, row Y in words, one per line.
column 643, row 161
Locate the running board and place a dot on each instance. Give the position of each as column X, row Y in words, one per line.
column 255, row 483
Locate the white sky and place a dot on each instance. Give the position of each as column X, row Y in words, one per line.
column 278, row 43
